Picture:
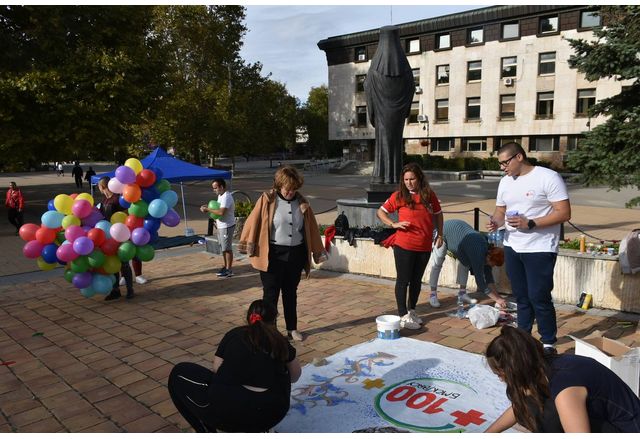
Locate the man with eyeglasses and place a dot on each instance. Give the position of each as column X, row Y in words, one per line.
column 532, row 202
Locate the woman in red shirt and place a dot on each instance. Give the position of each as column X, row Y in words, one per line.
column 419, row 213
column 15, row 205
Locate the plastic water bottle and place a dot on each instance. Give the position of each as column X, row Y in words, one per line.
column 500, row 237
column 460, row 313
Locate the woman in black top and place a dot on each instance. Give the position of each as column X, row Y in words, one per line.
column 559, row 393
column 249, row 387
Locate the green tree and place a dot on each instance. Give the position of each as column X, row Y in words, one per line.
column 609, row 153
column 314, row 117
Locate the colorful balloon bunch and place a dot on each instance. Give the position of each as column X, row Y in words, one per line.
column 92, row 248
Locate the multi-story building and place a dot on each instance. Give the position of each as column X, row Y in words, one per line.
column 483, row 78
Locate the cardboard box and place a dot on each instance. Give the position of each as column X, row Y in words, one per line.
column 621, row 359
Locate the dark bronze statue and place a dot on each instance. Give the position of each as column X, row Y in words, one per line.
column 389, row 88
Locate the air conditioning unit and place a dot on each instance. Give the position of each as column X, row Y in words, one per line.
column 509, row 81
column 418, row 90
column 423, row 118
column 351, row 122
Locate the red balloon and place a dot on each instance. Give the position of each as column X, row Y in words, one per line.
column 133, row 222
column 97, row 236
column 28, row 231
column 100, row 270
column 73, row 196
column 110, row 247
column 45, row 235
column 132, row 193
column 146, row 178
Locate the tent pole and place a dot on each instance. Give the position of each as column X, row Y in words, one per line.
column 184, row 212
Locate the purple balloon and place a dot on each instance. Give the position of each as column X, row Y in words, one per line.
column 82, row 280
column 83, row 246
column 125, row 175
column 140, row 236
column 171, row 219
column 92, row 219
column 66, row 253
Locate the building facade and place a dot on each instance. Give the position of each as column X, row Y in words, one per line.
column 483, row 78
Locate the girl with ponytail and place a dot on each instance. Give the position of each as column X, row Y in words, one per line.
column 250, row 385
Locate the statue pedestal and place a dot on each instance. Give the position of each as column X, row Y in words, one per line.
column 379, row 192
column 363, row 212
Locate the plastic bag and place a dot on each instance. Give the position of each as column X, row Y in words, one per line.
column 483, row 316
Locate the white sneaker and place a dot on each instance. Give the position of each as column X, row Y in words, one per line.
column 141, row 280
column 407, row 322
column 414, row 316
column 468, row 299
column 434, row 302
column 296, row 335
column 122, row 280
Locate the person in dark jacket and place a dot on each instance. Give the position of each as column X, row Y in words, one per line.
column 76, row 173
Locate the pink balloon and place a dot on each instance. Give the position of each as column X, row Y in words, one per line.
column 115, row 186
column 81, row 208
column 120, row 232
column 65, row 253
column 32, row 249
column 74, row 232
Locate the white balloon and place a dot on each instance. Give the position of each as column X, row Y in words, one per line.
column 115, row 186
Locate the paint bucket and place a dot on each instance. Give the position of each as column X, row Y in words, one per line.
column 388, row 327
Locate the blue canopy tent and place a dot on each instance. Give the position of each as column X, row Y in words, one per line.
column 175, row 171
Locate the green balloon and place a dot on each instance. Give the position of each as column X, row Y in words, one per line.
column 80, row 264
column 139, row 208
column 145, row 252
column 96, row 258
column 213, row 204
column 126, row 251
column 162, row 186
column 68, row 275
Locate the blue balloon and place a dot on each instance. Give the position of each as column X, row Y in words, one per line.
column 124, row 203
column 149, row 194
column 49, row 253
column 169, row 197
column 153, row 237
column 101, row 283
column 87, row 292
column 52, row 219
column 105, row 226
column 158, row 208
column 151, row 224
column 50, row 205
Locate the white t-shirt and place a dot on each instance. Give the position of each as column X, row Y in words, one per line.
column 229, row 217
column 531, row 195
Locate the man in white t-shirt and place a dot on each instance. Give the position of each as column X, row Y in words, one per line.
column 225, row 224
column 534, row 201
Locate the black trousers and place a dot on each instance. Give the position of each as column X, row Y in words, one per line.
column 410, row 266
column 15, row 218
column 78, row 181
column 125, row 270
column 283, row 274
column 208, row 403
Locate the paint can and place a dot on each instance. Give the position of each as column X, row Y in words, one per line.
column 388, row 327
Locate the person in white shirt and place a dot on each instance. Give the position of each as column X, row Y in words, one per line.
column 533, row 201
column 225, row 224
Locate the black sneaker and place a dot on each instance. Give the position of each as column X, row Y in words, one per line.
column 114, row 294
column 129, row 295
column 549, row 351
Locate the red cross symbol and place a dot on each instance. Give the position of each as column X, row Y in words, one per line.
column 472, row 416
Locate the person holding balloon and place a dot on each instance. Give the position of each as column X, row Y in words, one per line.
column 223, row 211
column 109, row 206
column 15, row 205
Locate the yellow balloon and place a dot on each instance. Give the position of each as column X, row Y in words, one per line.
column 111, row 264
column 63, row 203
column 134, row 164
column 69, row 221
column 118, row 217
column 85, row 196
column 43, row 265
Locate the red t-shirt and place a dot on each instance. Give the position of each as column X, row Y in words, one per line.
column 418, row 236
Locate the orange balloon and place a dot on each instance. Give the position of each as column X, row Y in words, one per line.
column 45, row 235
column 132, row 193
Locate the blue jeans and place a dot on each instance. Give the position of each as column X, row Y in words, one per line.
column 531, row 276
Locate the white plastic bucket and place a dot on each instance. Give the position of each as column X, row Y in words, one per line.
column 388, row 327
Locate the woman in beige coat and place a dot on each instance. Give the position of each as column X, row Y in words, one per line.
column 280, row 236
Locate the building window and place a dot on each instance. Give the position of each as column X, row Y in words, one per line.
column 508, row 106
column 586, row 100
column 443, row 41
column 548, row 25
column 361, row 114
column 509, row 67
column 416, row 77
column 574, row 142
column 441, row 145
column 442, row 74
column 473, row 108
column 547, row 63
column 474, row 70
column 442, row 110
column 475, row 35
column 413, row 45
column 589, row 19
column 510, row 30
column 545, row 144
column 474, row 144
column 360, row 83
column 544, row 105
column 361, row 53
column 413, row 113
column 499, row 142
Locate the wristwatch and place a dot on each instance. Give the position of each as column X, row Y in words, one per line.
column 531, row 224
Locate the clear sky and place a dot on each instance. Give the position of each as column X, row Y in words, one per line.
column 284, row 38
